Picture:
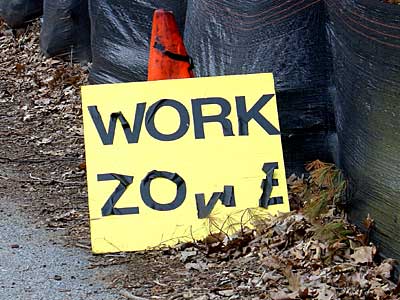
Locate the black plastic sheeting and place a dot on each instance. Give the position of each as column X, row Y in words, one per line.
column 365, row 39
column 287, row 38
column 17, row 13
column 65, row 30
column 121, row 32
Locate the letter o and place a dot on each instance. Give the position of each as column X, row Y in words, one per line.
column 150, row 202
column 184, row 120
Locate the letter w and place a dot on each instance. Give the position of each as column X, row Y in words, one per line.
column 107, row 137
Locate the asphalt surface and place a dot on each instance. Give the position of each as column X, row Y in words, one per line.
column 34, row 265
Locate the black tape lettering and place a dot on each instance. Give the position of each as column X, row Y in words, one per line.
column 132, row 136
column 221, row 118
column 275, row 200
column 227, row 198
column 203, row 209
column 148, row 199
column 245, row 116
column 184, row 120
column 109, row 206
column 267, row 184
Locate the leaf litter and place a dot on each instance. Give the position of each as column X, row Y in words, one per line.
column 313, row 252
column 41, row 138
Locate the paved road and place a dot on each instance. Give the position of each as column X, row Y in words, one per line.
column 34, row 266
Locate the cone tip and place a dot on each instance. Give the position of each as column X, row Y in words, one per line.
column 162, row 11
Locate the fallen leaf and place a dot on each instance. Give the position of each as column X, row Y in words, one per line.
column 364, row 254
column 196, row 266
column 226, row 293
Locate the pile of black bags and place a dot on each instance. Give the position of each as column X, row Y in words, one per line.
column 287, row 38
column 330, row 58
column 65, row 30
column 365, row 40
column 17, row 13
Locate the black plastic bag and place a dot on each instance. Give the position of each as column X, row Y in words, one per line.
column 121, row 32
column 17, row 13
column 66, row 30
column 365, row 39
column 287, row 38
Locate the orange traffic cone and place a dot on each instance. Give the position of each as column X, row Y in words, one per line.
column 168, row 58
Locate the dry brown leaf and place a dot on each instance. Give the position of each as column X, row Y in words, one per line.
column 364, row 254
column 281, row 295
column 385, row 269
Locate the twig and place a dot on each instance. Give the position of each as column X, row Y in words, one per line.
column 82, row 246
column 128, row 295
column 115, row 263
column 71, row 55
column 43, row 181
column 160, row 284
column 26, row 160
column 36, row 178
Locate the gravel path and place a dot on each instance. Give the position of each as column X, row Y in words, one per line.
column 35, row 266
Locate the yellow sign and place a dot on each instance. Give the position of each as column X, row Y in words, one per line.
column 173, row 160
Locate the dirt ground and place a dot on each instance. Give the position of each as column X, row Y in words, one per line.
column 42, row 172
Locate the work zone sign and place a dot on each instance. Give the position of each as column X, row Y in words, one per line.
column 175, row 160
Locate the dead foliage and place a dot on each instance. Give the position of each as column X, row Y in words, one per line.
column 41, row 137
column 311, row 253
